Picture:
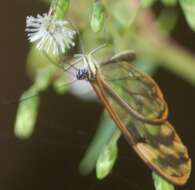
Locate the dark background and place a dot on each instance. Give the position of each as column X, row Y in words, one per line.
column 49, row 160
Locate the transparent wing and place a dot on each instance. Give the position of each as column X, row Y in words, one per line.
column 158, row 145
column 139, row 91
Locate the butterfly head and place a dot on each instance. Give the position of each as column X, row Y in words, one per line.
column 82, row 74
column 87, row 67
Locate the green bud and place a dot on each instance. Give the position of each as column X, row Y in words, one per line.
column 27, row 114
column 97, row 17
column 188, row 7
column 160, row 183
column 106, row 160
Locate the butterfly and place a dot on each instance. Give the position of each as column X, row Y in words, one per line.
column 137, row 106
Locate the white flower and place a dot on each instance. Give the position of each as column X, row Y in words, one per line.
column 51, row 35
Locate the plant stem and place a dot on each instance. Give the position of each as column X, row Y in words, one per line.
column 170, row 56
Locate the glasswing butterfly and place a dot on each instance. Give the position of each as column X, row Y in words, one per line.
column 137, row 106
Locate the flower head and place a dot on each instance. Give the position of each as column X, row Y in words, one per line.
column 51, row 35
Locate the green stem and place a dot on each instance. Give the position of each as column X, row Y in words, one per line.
column 179, row 61
column 104, row 134
column 170, row 56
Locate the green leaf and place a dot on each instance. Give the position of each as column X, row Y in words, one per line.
column 160, row 183
column 27, row 114
column 97, row 17
column 188, row 7
column 106, row 160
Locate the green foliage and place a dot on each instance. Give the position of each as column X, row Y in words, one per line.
column 97, row 17
column 27, row 113
column 106, row 131
column 188, row 7
column 41, row 71
column 160, row 183
column 106, row 160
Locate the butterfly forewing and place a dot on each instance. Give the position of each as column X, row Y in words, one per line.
column 157, row 144
column 137, row 89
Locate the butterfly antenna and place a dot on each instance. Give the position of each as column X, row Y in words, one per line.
column 72, row 65
column 38, row 93
column 67, row 84
column 59, row 66
column 97, row 49
column 7, row 102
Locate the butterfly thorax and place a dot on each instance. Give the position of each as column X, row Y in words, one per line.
column 87, row 67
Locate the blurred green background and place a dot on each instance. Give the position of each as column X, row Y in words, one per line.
column 66, row 125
